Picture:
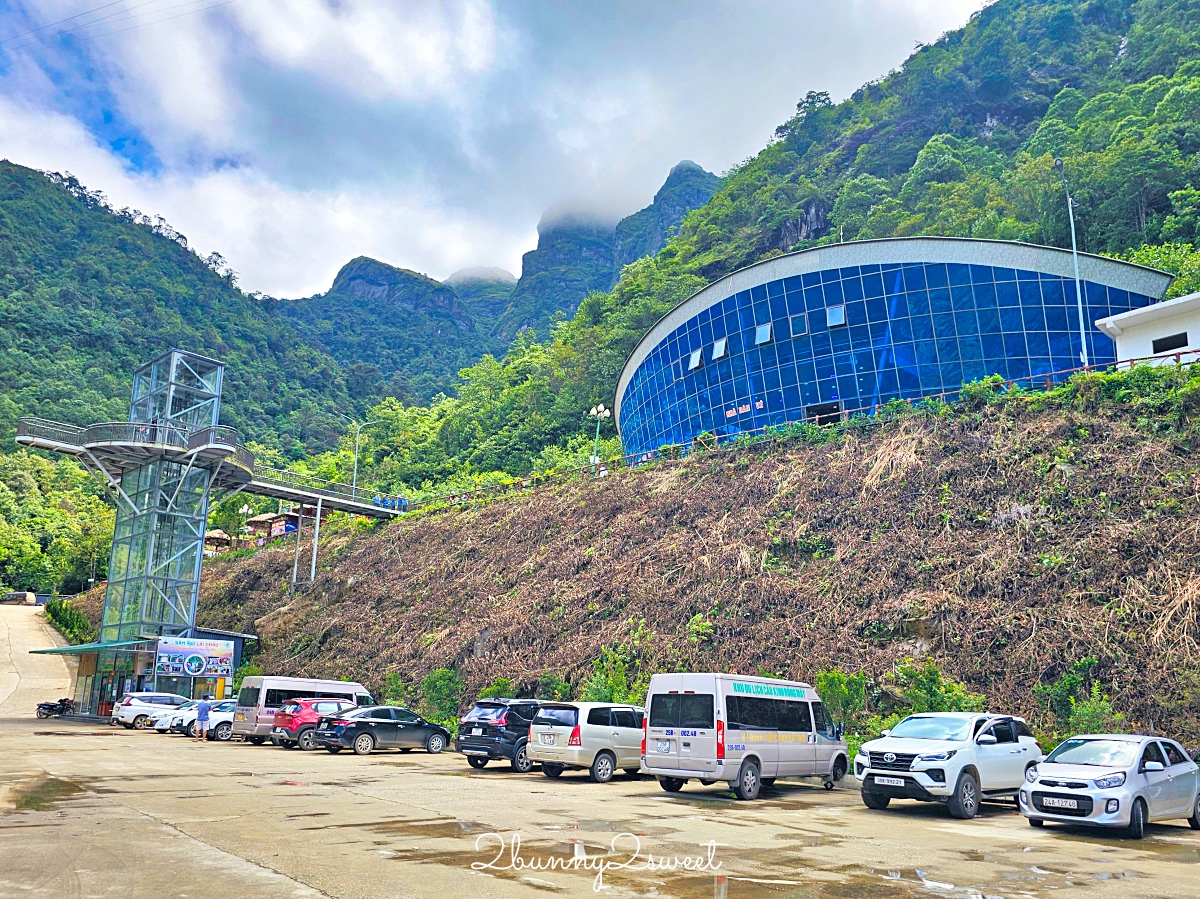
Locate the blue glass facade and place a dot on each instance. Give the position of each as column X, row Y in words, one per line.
column 854, row 338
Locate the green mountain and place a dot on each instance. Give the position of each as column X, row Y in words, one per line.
column 394, row 332
column 645, row 232
column 485, row 292
column 960, row 140
column 87, row 294
column 577, row 255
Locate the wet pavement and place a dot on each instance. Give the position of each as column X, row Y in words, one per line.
column 97, row 811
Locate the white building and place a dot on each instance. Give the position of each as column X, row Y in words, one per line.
column 1160, row 330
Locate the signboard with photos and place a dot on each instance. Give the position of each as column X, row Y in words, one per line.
column 183, row 657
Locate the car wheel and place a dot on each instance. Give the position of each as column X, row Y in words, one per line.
column 307, row 740
column 552, row 770
column 876, row 801
column 748, row 781
column 363, row 744
column 1194, row 821
column 964, row 803
column 191, row 729
column 257, row 741
column 406, row 749
column 223, row 731
column 126, row 726
column 633, row 772
column 603, row 767
column 520, row 760
column 435, row 744
column 1137, row 821
column 839, row 770
column 139, row 723
column 476, row 762
column 706, row 783
column 333, row 750
column 1037, row 822
column 671, row 784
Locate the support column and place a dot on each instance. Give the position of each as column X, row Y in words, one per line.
column 312, row 574
column 299, row 531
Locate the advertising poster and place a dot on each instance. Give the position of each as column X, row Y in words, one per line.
column 180, row 657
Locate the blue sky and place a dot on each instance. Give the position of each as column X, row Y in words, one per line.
column 292, row 135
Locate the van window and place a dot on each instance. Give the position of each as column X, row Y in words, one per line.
column 559, row 717
column 624, row 718
column 364, row 699
column 277, row 697
column 599, row 716
column 822, row 720
column 696, row 710
column 248, row 697
column 664, row 710
column 756, row 713
column 794, row 717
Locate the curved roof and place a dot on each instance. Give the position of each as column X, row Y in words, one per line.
column 969, row 251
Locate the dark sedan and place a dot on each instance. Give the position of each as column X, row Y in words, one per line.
column 380, row 727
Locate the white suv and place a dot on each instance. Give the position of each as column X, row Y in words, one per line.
column 136, row 709
column 959, row 758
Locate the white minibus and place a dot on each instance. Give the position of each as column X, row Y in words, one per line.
column 746, row 731
column 260, row 698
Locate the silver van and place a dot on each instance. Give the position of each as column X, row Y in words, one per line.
column 261, row 697
column 746, row 731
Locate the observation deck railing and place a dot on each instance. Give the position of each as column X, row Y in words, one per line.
column 305, row 483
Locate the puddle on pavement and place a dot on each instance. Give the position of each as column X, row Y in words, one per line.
column 430, row 828
column 43, row 793
column 75, row 733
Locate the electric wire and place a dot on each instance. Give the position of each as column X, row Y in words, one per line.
column 59, row 22
column 77, row 30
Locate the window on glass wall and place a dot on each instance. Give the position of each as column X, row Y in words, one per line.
column 694, row 360
column 835, row 316
column 762, row 334
column 720, row 349
column 799, row 325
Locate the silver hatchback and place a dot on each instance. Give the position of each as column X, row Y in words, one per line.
column 1113, row 780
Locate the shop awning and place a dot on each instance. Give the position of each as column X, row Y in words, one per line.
column 88, row 647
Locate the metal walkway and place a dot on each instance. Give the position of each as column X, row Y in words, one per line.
column 111, row 448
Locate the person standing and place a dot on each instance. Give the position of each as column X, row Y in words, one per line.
column 203, row 707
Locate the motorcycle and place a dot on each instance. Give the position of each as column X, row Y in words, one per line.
column 62, row 707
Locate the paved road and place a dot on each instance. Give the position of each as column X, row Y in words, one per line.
column 26, row 680
column 98, row 811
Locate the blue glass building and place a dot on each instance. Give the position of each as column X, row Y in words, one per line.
column 848, row 327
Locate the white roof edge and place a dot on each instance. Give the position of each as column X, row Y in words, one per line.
column 1115, row 325
column 896, row 250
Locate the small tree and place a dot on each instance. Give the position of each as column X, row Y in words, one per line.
column 551, row 686
column 923, row 688
column 1094, row 715
column 443, row 690
column 845, row 695
column 501, row 687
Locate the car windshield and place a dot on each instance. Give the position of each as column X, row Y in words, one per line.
column 486, row 713
column 927, row 727
column 1101, row 753
column 560, row 717
column 187, row 705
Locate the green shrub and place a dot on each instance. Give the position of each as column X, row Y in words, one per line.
column 1060, row 696
column 1094, row 714
column 551, row 686
column 500, row 688
column 69, row 621
column 443, row 692
column 845, row 695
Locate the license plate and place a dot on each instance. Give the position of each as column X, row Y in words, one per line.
column 662, row 746
column 277, row 730
column 548, row 739
column 476, row 731
column 889, row 781
column 1052, row 802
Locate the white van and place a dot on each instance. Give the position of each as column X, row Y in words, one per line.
column 260, row 698
column 746, row 731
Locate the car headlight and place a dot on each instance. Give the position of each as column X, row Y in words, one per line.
column 1113, row 780
column 1031, row 775
column 938, row 756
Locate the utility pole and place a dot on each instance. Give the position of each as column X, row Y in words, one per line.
column 1083, row 353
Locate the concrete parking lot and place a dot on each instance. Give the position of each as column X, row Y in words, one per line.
column 99, row 811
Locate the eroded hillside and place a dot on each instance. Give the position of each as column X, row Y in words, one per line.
column 1006, row 543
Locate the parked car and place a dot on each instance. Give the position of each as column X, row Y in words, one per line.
column 597, row 736
column 160, row 722
column 1113, row 780
column 381, row 727
column 220, row 720
column 296, row 721
column 134, row 710
column 959, row 758
column 261, row 697
column 497, row 729
column 746, row 731
column 22, row 597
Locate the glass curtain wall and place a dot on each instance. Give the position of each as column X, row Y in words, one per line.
column 852, row 339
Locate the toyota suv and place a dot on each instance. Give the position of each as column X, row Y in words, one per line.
column 497, row 729
column 597, row 736
column 959, row 758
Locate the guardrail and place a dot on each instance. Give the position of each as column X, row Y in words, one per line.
column 218, row 435
column 135, row 432
column 275, row 477
column 50, row 430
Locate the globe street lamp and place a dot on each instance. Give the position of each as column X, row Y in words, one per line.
column 1062, row 171
column 599, row 413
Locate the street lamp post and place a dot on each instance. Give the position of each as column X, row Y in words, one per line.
column 1062, row 171
column 357, row 432
column 599, row 413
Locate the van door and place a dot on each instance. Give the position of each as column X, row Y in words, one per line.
column 797, row 739
column 662, row 730
column 627, row 737
column 760, row 732
column 697, row 732
column 826, row 744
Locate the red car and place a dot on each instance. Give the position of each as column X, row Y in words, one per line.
column 295, row 723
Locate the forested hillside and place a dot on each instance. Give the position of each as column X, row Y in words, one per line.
column 961, row 141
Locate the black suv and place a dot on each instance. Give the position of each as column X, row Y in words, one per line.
column 497, row 729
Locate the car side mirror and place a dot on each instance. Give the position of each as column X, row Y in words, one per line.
column 986, row 740
column 1153, row 766
column 886, row 732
